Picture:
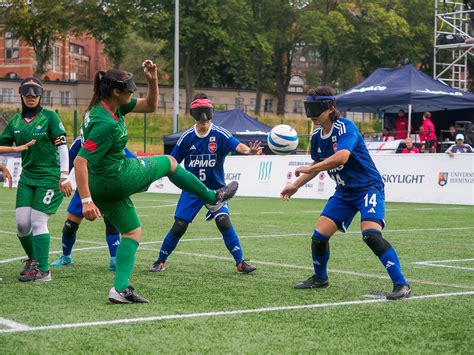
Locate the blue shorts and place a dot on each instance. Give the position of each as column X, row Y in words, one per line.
column 342, row 207
column 189, row 206
column 75, row 206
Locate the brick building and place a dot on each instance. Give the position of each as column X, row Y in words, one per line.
column 73, row 59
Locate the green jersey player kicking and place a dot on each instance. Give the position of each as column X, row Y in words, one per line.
column 44, row 177
column 106, row 178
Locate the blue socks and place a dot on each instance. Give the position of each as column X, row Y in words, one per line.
column 320, row 253
column 232, row 244
column 169, row 244
column 113, row 241
column 68, row 243
column 390, row 260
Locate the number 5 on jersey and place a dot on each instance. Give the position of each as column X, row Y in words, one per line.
column 202, row 174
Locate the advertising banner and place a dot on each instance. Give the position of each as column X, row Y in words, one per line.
column 424, row 178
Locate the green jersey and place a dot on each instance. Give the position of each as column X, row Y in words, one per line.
column 104, row 136
column 40, row 162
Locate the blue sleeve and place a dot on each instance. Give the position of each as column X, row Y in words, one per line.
column 314, row 149
column 348, row 137
column 177, row 152
column 73, row 150
column 128, row 153
column 232, row 144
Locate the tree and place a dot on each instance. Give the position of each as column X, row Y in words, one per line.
column 111, row 22
column 40, row 24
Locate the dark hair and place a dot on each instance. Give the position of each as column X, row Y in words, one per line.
column 102, row 91
column 326, row 91
column 200, row 95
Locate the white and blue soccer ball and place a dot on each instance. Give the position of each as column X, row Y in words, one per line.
column 282, row 139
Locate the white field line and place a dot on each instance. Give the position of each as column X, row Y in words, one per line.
column 437, row 263
column 13, row 325
column 433, row 283
column 159, row 206
column 337, row 271
column 3, row 261
column 227, row 313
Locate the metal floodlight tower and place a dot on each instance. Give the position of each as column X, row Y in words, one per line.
column 453, row 43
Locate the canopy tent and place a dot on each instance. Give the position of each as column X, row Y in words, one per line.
column 242, row 126
column 391, row 89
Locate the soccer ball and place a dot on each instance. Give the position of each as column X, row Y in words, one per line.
column 282, row 139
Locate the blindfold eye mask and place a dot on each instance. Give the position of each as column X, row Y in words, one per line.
column 202, row 109
column 315, row 105
column 124, row 85
column 31, row 90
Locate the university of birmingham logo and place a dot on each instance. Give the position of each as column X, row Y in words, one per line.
column 265, row 171
column 442, row 178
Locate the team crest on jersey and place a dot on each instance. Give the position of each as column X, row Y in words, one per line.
column 334, row 146
column 212, row 139
column 212, row 146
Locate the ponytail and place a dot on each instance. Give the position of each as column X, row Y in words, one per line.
column 96, row 97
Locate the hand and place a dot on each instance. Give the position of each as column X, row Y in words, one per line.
column 90, row 211
column 65, row 187
column 451, row 154
column 23, row 147
column 288, row 191
column 302, row 170
column 6, row 175
column 255, row 148
column 150, row 70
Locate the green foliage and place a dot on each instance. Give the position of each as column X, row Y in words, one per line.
column 40, row 24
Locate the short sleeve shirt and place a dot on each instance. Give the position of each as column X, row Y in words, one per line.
column 40, row 162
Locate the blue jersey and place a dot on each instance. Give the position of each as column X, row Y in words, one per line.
column 359, row 172
column 76, row 146
column 204, row 155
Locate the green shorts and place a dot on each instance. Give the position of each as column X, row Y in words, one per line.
column 112, row 194
column 43, row 199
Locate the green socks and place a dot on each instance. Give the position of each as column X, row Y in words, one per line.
column 190, row 183
column 125, row 262
column 28, row 245
column 41, row 244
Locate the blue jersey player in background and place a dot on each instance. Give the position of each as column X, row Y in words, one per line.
column 75, row 217
column 338, row 148
column 203, row 148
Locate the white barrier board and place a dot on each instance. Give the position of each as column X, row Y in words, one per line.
column 427, row 178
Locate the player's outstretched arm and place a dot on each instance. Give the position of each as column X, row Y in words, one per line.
column 150, row 103
column 254, row 148
column 17, row 149
column 339, row 158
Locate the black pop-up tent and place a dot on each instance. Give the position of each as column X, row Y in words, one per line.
column 391, row 89
column 242, row 126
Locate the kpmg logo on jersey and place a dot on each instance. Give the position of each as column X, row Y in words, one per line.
column 212, row 147
column 264, row 171
column 443, row 178
column 202, row 161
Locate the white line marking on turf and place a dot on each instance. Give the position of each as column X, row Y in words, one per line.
column 344, row 272
column 437, row 263
column 160, row 206
column 13, row 325
column 228, row 313
column 3, row 261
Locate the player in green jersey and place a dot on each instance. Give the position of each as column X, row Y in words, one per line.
column 44, row 177
column 106, row 178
